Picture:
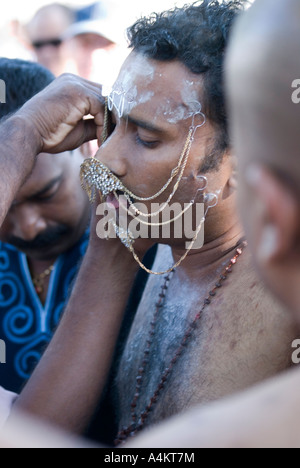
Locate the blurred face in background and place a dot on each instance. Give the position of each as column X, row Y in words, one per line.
column 44, row 32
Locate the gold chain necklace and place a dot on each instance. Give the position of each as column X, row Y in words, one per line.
column 39, row 280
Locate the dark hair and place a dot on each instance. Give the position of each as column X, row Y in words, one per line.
column 23, row 80
column 196, row 35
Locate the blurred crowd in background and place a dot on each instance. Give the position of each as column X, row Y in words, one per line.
column 80, row 37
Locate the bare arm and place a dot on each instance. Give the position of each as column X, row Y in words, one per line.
column 69, row 379
column 67, row 384
column 50, row 122
column 19, row 147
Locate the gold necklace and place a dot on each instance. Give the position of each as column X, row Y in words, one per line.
column 39, row 280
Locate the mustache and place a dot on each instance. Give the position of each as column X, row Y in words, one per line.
column 45, row 239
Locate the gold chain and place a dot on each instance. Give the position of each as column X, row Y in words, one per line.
column 151, row 272
column 105, row 135
column 146, row 223
column 39, row 280
column 184, row 156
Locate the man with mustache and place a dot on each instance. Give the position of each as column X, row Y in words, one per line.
column 43, row 239
column 207, row 330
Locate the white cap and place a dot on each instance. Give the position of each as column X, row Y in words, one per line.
column 95, row 19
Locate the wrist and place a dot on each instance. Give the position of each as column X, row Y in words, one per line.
column 26, row 133
column 111, row 253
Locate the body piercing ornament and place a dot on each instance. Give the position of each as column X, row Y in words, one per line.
column 96, row 177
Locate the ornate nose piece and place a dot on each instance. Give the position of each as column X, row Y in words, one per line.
column 96, row 176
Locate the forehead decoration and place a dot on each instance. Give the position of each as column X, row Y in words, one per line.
column 98, row 178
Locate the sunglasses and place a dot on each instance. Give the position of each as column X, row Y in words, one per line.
column 50, row 42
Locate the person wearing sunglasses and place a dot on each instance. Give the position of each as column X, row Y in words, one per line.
column 44, row 34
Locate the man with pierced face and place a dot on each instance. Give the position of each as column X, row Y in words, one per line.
column 176, row 64
column 263, row 60
column 208, row 329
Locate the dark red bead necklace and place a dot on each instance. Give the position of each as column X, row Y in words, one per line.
column 137, row 424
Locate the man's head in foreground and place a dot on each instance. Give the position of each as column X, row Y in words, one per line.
column 50, row 212
column 173, row 80
column 263, row 65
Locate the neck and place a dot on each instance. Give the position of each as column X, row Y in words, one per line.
column 38, row 266
column 215, row 248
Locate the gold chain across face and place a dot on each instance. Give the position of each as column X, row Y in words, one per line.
column 98, row 178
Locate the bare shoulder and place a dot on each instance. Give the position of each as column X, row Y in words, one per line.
column 252, row 295
column 250, row 334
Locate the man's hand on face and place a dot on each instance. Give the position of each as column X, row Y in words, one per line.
column 57, row 113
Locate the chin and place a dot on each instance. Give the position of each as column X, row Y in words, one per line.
column 45, row 255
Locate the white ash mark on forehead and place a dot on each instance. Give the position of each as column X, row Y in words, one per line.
column 181, row 112
column 139, row 67
column 190, row 106
column 124, row 102
column 175, row 116
column 189, row 92
column 145, row 97
column 125, row 95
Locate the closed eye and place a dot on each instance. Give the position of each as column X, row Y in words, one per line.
column 49, row 192
column 47, row 196
column 147, row 144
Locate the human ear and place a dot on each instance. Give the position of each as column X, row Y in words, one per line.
column 233, row 180
column 277, row 217
column 231, row 185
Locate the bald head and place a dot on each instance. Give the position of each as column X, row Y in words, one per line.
column 55, row 14
column 263, row 64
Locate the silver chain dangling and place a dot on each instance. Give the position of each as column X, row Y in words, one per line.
column 96, row 176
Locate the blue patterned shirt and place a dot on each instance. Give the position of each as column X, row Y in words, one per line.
column 26, row 325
